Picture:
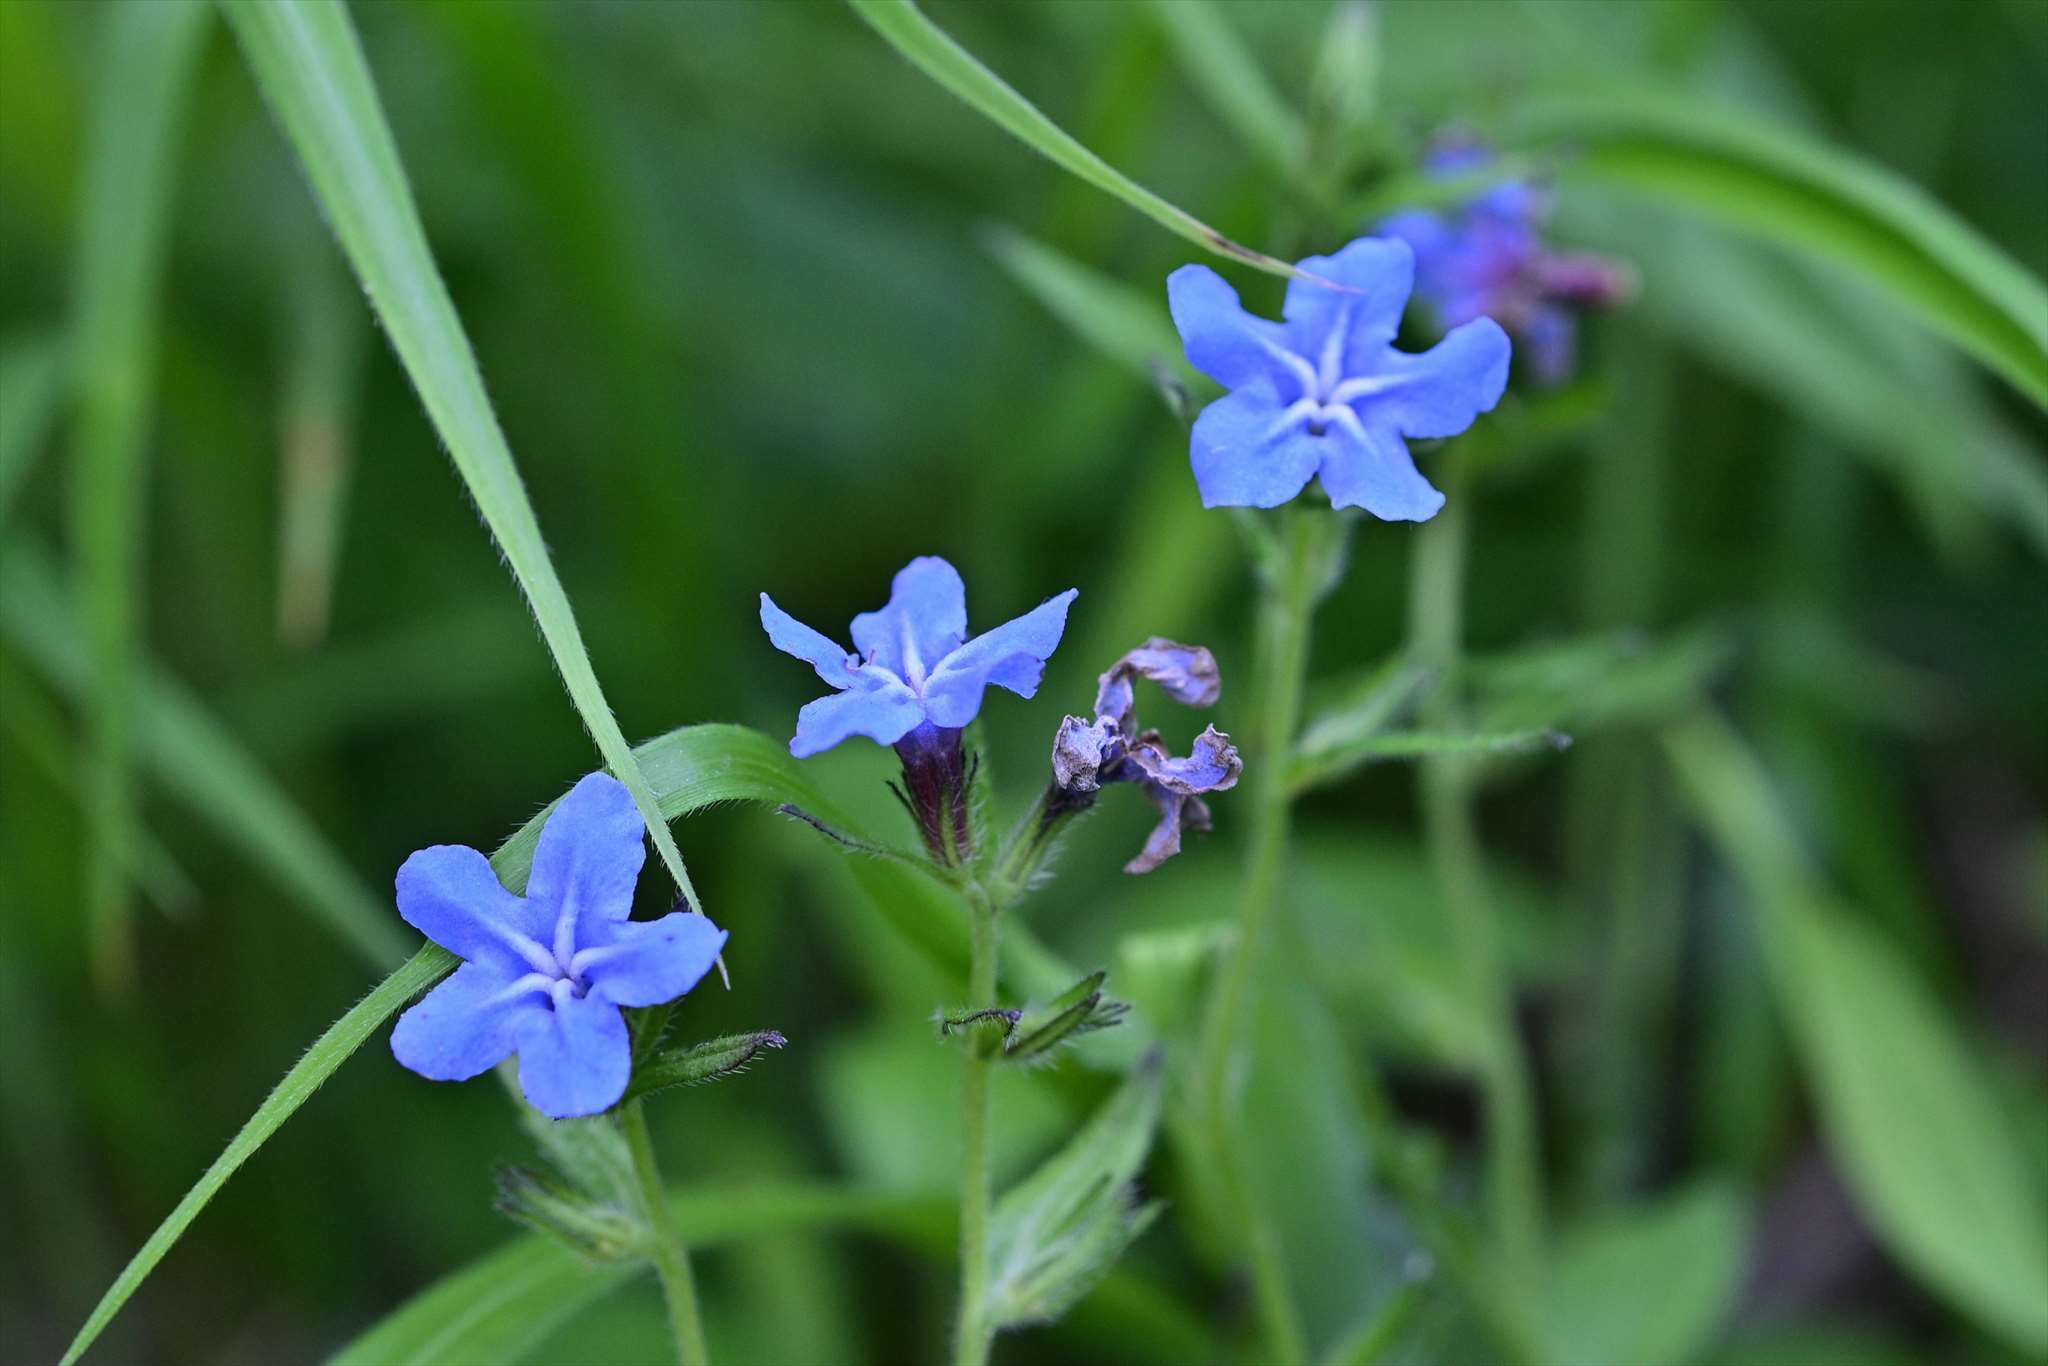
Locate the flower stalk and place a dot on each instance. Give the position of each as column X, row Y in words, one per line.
column 973, row 1332
column 664, row 1245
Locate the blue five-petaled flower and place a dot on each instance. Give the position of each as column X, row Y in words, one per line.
column 546, row 973
column 1325, row 393
column 915, row 665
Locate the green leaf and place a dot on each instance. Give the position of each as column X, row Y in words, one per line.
column 1055, row 1234
column 1228, row 79
column 1599, row 682
column 31, row 373
column 1080, row 1009
column 151, row 52
column 1927, row 1151
column 695, row 1064
column 1364, row 706
column 199, row 761
column 1343, row 91
column 1777, row 183
column 1129, row 327
column 311, row 69
column 1691, row 1246
column 1315, row 768
column 954, row 67
column 507, row 1303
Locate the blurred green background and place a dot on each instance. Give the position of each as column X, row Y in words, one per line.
column 736, row 279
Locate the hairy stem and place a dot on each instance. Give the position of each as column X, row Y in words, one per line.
column 1451, row 837
column 1287, row 604
column 665, row 1247
column 973, row 1331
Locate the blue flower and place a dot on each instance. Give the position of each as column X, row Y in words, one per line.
column 1488, row 258
column 1111, row 749
column 915, row 666
column 1325, row 393
column 545, row 974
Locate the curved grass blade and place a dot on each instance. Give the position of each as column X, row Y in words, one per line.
column 202, row 764
column 689, row 769
column 930, row 50
column 1777, row 183
column 150, row 54
column 310, row 67
column 506, row 1303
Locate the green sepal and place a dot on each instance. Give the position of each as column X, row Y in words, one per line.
column 598, row 1231
column 1079, row 1010
column 695, row 1064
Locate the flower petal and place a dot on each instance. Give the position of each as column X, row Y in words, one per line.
column 1441, row 391
column 576, row 1058
column 449, row 894
column 1186, row 673
column 1245, row 454
column 815, row 648
column 1212, row 766
column 589, row 855
column 649, row 963
column 1177, row 812
column 1078, row 750
column 467, row 1025
column 1011, row 656
column 878, row 706
column 1223, row 341
column 926, row 620
column 1369, row 467
column 1358, row 320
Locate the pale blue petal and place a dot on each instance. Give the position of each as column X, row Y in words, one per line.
column 1212, row 766
column 1441, row 391
column 575, row 1058
column 1244, row 455
column 815, row 648
column 1223, row 341
column 1369, row 467
column 650, row 963
column 1011, row 656
column 1361, row 318
column 589, row 854
column 926, row 620
column 878, row 706
column 449, row 894
column 467, row 1025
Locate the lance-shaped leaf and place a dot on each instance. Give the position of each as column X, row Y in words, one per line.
column 597, row 1231
column 1057, row 1233
column 695, row 1064
column 311, row 70
column 1318, row 767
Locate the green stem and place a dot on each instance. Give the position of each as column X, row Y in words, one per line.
column 1287, row 604
column 1450, row 833
column 665, row 1247
column 973, row 1331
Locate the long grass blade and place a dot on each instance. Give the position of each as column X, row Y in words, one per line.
column 930, row 50
column 31, row 369
column 311, row 69
column 1771, row 181
column 1225, row 74
column 150, row 53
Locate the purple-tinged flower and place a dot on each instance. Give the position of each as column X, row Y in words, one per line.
column 1488, row 258
column 916, row 683
column 1325, row 393
column 545, row 974
column 1111, row 749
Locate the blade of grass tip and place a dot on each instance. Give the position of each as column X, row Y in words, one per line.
column 931, row 51
column 201, row 764
column 31, row 368
column 315, row 438
column 311, row 69
column 148, row 56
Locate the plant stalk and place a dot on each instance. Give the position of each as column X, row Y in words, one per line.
column 1451, row 837
column 1287, row 604
column 973, row 1331
column 665, row 1246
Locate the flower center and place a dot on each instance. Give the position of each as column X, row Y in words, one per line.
column 1326, row 395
